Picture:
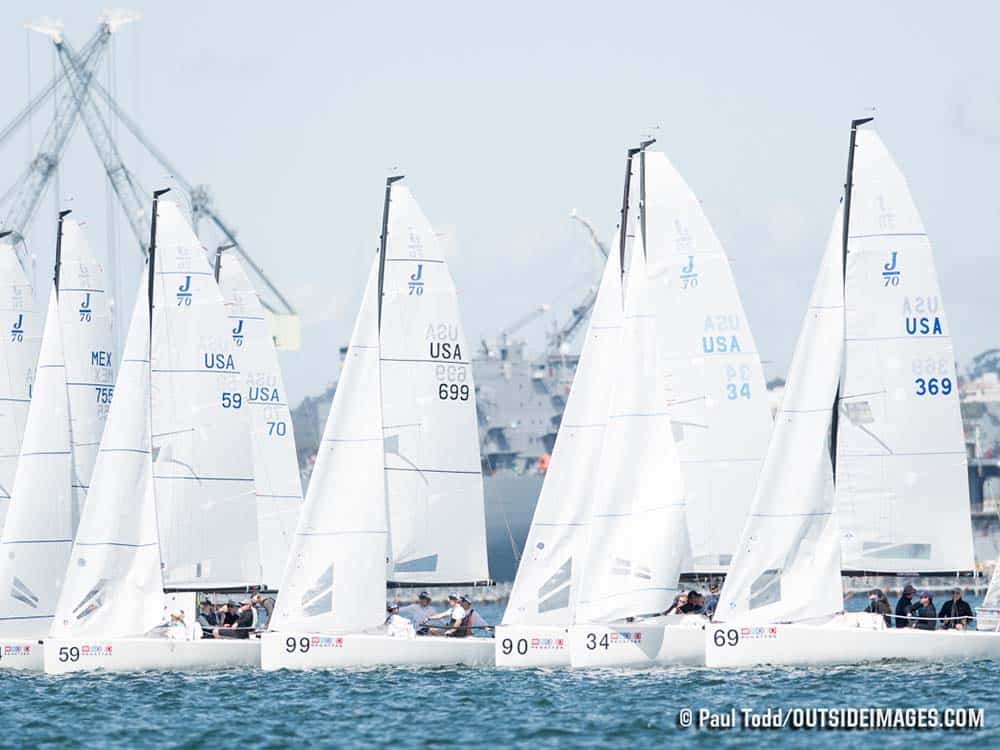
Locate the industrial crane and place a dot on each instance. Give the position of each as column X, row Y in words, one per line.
column 75, row 89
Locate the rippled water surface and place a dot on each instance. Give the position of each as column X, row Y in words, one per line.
column 474, row 709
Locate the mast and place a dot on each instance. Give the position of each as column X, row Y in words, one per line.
column 59, row 236
column 152, row 258
column 848, row 188
column 383, row 239
column 624, row 212
column 642, row 189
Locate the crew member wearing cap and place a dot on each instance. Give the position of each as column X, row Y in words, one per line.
column 956, row 612
column 470, row 622
column 923, row 613
column 904, row 605
column 420, row 612
column 395, row 625
column 243, row 625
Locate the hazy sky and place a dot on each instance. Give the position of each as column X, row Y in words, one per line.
column 504, row 117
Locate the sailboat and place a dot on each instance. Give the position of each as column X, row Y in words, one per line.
column 171, row 507
column 19, row 342
column 609, row 534
column 865, row 472
column 277, row 483
column 396, row 496
column 988, row 613
column 715, row 390
column 71, row 394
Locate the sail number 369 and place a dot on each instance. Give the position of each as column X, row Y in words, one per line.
column 726, row 637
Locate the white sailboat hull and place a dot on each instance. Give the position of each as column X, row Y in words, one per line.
column 987, row 619
column 846, row 639
column 64, row 655
column 661, row 641
column 314, row 651
column 21, row 654
column 532, row 646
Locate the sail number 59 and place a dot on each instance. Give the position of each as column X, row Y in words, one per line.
column 726, row 637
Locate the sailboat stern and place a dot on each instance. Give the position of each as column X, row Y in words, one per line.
column 532, row 646
column 662, row 640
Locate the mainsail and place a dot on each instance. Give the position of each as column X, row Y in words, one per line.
column 714, row 385
column 69, row 406
column 114, row 586
column 432, row 464
column 335, row 577
column 637, row 532
column 902, row 482
column 548, row 576
column 787, row 564
column 276, row 469
column 202, row 455
column 19, row 343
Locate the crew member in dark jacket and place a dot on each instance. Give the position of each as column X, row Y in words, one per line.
column 903, row 606
column 924, row 614
column 879, row 604
column 955, row 613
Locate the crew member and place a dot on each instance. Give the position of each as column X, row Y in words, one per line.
column 956, row 612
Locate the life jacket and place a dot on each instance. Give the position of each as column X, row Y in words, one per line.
column 464, row 629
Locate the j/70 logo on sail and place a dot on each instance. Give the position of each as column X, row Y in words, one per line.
column 184, row 293
column 890, row 274
column 17, row 330
column 416, row 284
column 85, row 310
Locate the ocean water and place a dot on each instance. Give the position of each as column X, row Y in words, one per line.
column 478, row 708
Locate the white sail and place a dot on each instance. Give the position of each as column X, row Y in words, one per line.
column 433, row 471
column 38, row 533
column 787, row 564
column 202, row 455
column 902, row 482
column 87, row 341
column 715, row 388
column 991, row 600
column 20, row 337
column 638, row 533
column 114, row 585
column 336, row 572
column 549, row 572
column 276, row 468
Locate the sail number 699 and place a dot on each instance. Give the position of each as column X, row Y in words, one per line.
column 453, row 392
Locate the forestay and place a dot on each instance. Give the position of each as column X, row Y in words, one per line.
column 336, row 572
column 548, row 576
column 433, row 473
column 276, row 469
column 714, row 385
column 19, row 342
column 902, row 482
column 638, row 533
column 787, row 564
column 202, row 455
column 70, row 403
column 114, row 586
